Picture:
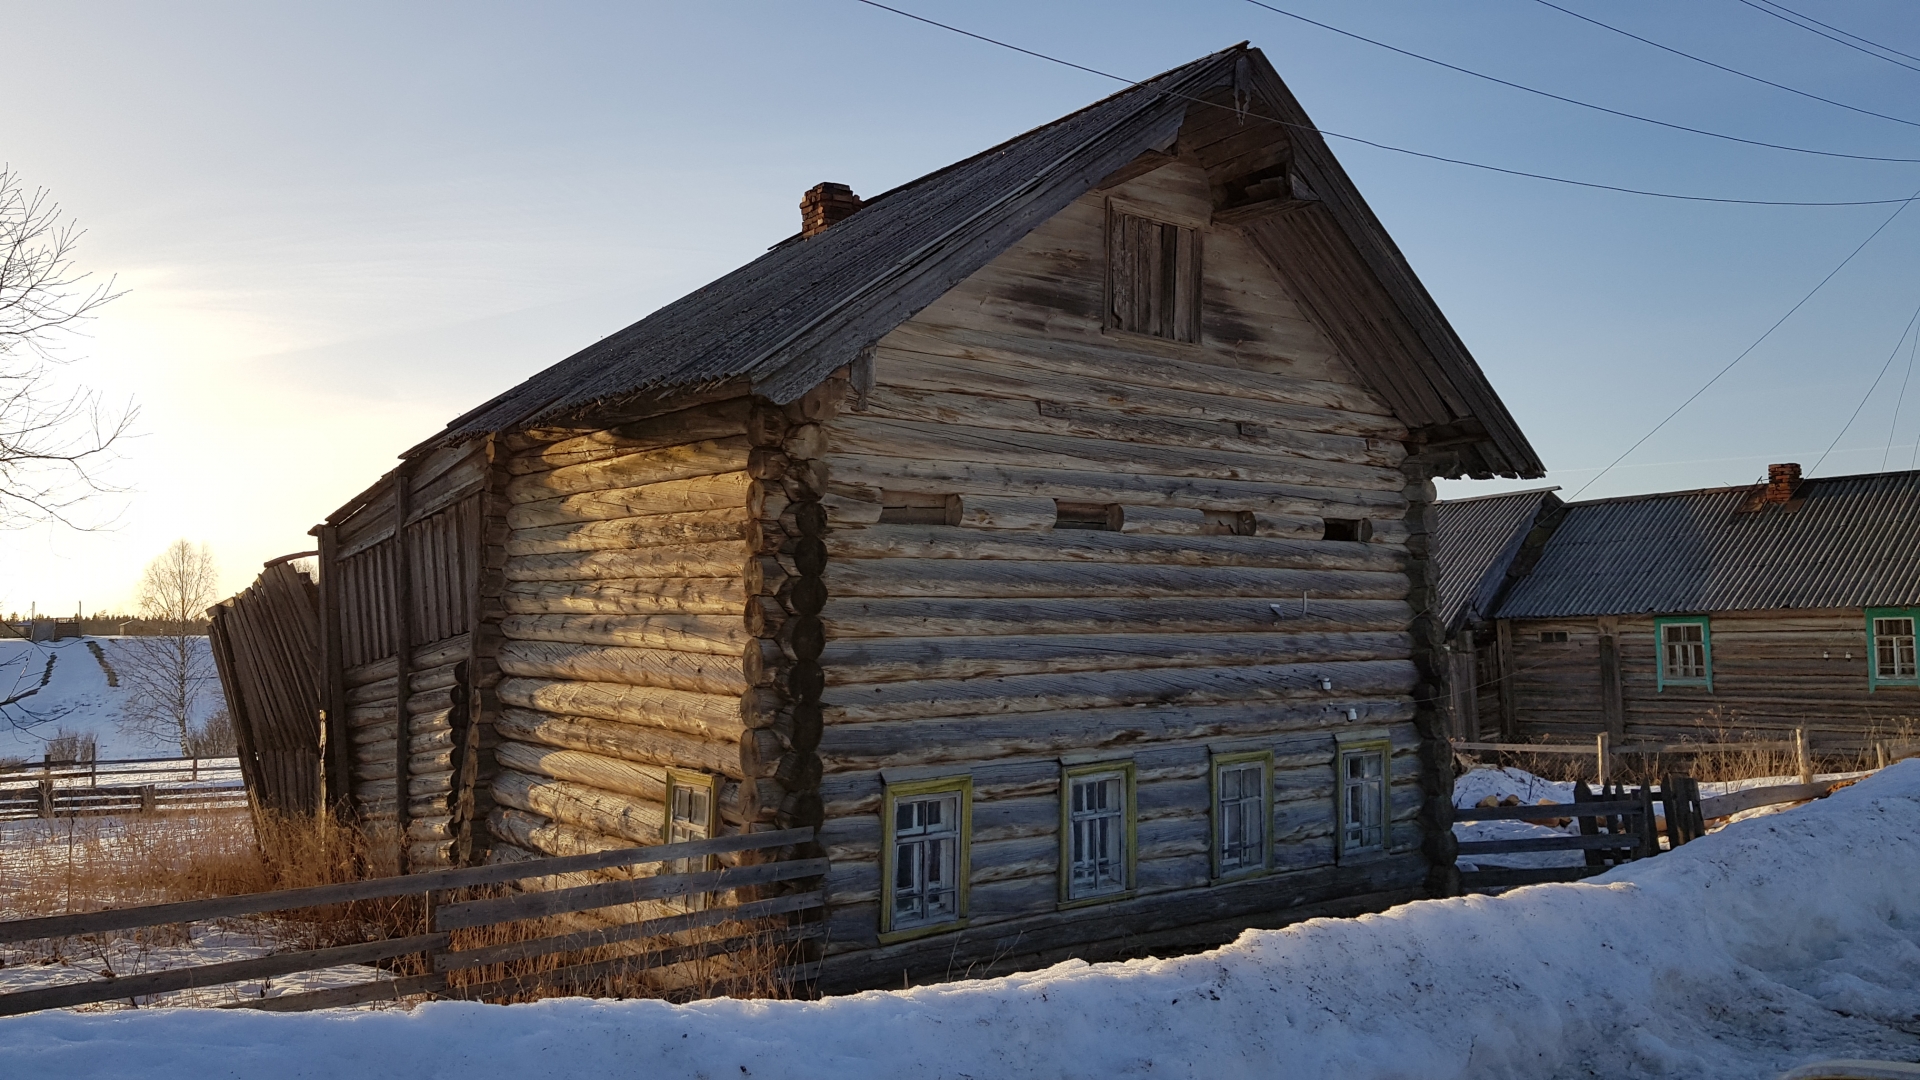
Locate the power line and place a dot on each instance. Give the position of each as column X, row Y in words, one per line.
column 1897, row 403
column 1868, row 394
column 1569, row 100
column 1749, row 349
column 1822, row 33
column 1386, row 146
column 1722, row 67
column 1837, row 30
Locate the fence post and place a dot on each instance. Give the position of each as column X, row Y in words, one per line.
column 147, row 799
column 1800, row 755
column 1600, row 755
column 46, row 797
column 1879, row 755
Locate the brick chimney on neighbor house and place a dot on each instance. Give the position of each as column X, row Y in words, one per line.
column 824, row 205
column 1781, row 480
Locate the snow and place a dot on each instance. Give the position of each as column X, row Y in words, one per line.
column 1770, row 943
column 76, row 698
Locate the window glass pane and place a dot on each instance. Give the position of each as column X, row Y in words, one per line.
column 1893, row 648
column 1241, row 816
column 925, row 860
column 1096, row 840
column 1363, row 805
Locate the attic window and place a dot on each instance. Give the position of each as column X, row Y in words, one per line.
column 1153, row 277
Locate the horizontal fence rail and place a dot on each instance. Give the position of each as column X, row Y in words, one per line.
column 125, row 786
column 435, row 945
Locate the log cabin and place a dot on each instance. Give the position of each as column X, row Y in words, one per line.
column 1049, row 532
column 1733, row 612
column 1480, row 546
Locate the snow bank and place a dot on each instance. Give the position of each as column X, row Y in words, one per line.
column 75, row 698
column 1770, row 943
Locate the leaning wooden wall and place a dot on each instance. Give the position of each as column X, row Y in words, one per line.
column 994, row 651
column 407, row 640
column 642, row 569
column 1773, row 671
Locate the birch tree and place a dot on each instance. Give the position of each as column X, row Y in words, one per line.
column 170, row 676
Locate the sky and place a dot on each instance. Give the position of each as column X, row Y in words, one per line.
column 337, row 226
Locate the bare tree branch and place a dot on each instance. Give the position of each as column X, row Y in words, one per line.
column 170, row 675
column 52, row 441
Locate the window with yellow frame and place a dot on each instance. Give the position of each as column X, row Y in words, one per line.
column 924, row 859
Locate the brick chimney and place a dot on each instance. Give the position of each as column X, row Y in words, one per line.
column 1781, row 480
column 824, row 205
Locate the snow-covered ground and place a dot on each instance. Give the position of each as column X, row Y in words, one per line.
column 1772, row 942
column 76, row 697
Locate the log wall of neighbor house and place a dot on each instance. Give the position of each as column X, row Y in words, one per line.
column 1200, row 616
column 648, row 578
column 1773, row 671
column 407, row 686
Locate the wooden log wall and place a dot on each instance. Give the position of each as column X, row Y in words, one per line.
column 409, row 631
column 1773, row 671
column 656, row 615
column 1217, row 622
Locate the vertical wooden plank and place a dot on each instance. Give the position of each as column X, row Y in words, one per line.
column 1612, row 698
column 338, row 769
column 402, row 630
column 1114, row 288
column 1509, row 715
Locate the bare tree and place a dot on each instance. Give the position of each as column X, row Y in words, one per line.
column 51, row 439
column 169, row 675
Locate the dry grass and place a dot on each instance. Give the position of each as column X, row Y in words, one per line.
column 83, row 864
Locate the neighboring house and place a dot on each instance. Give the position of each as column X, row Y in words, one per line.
column 1049, row 532
column 1481, row 545
column 1757, row 609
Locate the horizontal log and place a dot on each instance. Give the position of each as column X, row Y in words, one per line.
column 720, row 635
column 631, row 596
column 1750, row 798
column 542, row 448
column 646, row 782
column 1089, row 546
column 1163, row 520
column 1006, row 579
column 658, row 927
column 652, row 466
column 583, row 807
column 1602, row 842
column 871, row 660
column 711, row 716
column 700, row 673
column 906, row 439
column 713, row 560
column 1000, row 512
column 434, row 678
column 722, row 490
column 854, row 617
column 433, row 654
column 609, row 894
column 1092, row 421
column 629, row 742
column 619, row 534
column 1084, row 485
column 890, row 744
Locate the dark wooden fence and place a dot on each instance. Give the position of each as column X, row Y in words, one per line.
column 772, row 922
column 1617, row 825
column 133, row 785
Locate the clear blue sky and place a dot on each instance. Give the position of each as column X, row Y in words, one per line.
column 343, row 224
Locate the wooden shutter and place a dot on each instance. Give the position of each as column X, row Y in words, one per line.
column 1153, row 277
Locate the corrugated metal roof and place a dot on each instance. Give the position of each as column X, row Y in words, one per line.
column 1844, row 542
column 1474, row 541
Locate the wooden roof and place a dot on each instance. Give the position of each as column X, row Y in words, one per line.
column 1475, row 542
column 782, row 323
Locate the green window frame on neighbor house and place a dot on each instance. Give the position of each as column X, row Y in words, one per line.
column 926, row 857
column 1891, row 659
column 1683, row 651
column 1098, row 830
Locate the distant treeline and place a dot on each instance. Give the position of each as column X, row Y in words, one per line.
column 108, row 624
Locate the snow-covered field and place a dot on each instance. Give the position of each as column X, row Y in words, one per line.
column 1772, row 942
column 76, row 697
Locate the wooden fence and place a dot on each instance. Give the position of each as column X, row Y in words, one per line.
column 778, row 921
column 1617, row 825
column 132, row 785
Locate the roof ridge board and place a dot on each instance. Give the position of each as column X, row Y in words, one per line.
column 1495, row 495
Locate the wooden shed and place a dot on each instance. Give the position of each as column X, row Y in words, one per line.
column 1750, row 610
column 1049, row 531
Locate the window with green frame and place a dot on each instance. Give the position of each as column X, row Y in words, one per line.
column 1890, row 647
column 1364, row 784
column 1242, row 813
column 925, row 860
column 1096, row 832
column 1683, row 647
